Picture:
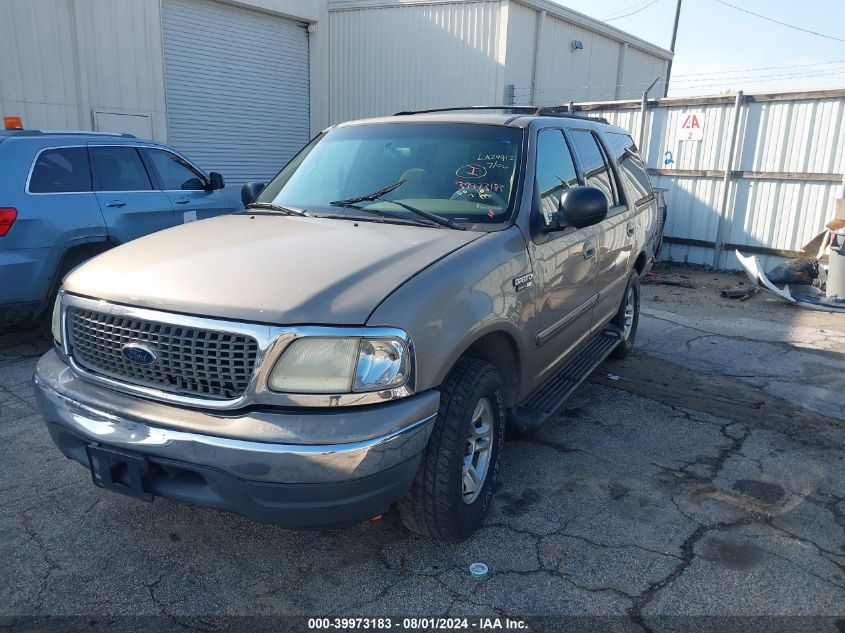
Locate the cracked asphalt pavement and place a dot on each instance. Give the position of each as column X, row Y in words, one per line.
column 705, row 475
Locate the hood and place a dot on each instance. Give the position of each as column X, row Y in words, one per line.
column 266, row 268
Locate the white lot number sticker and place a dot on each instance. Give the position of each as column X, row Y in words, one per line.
column 189, row 216
column 692, row 127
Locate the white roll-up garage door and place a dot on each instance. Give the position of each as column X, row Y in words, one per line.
column 237, row 87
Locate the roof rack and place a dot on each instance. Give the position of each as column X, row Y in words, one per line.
column 558, row 111
column 28, row 132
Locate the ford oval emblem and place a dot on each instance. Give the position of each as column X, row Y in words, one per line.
column 138, row 354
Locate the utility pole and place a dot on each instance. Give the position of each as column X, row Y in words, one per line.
column 672, row 47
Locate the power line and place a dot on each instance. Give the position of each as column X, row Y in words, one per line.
column 748, row 70
column 613, row 14
column 768, row 19
column 643, row 8
column 762, row 76
column 562, row 92
column 706, row 81
column 743, row 82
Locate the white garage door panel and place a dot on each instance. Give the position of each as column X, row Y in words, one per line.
column 237, row 87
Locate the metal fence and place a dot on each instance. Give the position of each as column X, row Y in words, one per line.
column 756, row 172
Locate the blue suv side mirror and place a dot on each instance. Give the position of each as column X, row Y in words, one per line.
column 215, row 181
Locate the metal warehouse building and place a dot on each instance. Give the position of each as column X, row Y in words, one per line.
column 239, row 86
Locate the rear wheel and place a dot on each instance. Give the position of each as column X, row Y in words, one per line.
column 454, row 484
column 628, row 317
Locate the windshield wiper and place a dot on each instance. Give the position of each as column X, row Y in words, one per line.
column 383, row 215
column 379, row 195
column 275, row 207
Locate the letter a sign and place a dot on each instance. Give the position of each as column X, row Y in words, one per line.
column 692, row 127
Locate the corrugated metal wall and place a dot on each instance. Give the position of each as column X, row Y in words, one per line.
column 785, row 175
column 238, row 99
column 465, row 53
column 64, row 58
column 564, row 74
column 522, row 33
column 605, row 68
column 386, row 59
column 639, row 70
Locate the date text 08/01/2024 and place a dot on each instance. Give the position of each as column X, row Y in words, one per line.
column 421, row 623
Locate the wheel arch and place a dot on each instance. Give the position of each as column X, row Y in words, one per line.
column 78, row 252
column 640, row 263
column 499, row 348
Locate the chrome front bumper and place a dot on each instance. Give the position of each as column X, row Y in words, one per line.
column 319, row 469
column 334, row 445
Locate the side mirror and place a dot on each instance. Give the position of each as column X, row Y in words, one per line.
column 250, row 191
column 215, row 181
column 582, row 206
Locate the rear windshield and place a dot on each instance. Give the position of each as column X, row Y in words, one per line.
column 463, row 172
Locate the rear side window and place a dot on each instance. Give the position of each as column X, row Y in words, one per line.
column 634, row 172
column 594, row 164
column 175, row 173
column 61, row 170
column 555, row 171
column 119, row 169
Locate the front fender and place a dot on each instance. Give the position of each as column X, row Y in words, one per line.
column 457, row 300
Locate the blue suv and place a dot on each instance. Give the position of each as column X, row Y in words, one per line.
column 68, row 196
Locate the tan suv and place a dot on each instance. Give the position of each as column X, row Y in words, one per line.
column 362, row 334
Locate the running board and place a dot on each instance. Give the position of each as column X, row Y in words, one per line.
column 543, row 403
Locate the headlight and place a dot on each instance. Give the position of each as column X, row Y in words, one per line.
column 56, row 327
column 340, row 365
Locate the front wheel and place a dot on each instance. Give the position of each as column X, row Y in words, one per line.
column 454, row 484
column 628, row 317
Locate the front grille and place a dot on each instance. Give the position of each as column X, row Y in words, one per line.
column 189, row 361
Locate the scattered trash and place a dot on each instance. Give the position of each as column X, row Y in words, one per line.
column 665, row 282
column 478, row 570
column 806, row 280
column 795, row 271
column 743, row 294
column 804, row 295
column 612, row 377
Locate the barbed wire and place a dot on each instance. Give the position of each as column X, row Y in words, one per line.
column 744, row 70
column 689, row 85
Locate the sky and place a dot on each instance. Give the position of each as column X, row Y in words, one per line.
column 721, row 49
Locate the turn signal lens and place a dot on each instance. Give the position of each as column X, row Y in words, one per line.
column 57, row 320
column 382, row 364
column 8, row 215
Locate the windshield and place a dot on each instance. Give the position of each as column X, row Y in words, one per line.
column 462, row 172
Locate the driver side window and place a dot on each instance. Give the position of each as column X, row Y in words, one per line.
column 555, row 171
column 175, row 173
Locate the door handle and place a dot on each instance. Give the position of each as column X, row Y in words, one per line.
column 116, row 203
column 630, row 228
column 182, row 201
column 589, row 250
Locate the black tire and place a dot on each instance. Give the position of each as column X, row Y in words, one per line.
column 434, row 507
column 627, row 344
